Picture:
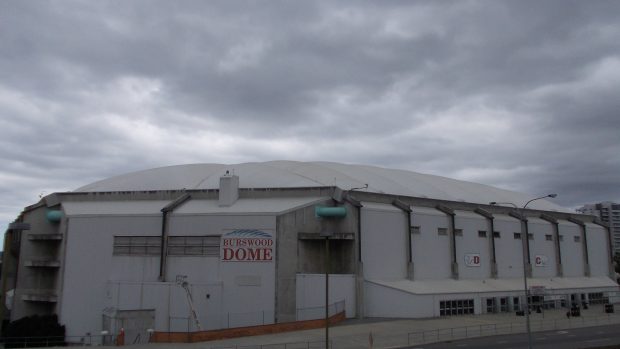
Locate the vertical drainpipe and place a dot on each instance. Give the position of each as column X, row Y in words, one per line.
column 163, row 253
column 407, row 210
column 454, row 264
column 556, row 239
column 527, row 247
column 610, row 248
column 163, row 245
column 491, row 221
column 358, row 204
column 584, row 238
column 359, row 233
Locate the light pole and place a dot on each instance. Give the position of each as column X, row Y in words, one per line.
column 326, row 235
column 524, row 235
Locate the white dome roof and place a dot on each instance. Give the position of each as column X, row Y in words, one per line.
column 294, row 174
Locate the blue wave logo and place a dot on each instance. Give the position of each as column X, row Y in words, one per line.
column 249, row 233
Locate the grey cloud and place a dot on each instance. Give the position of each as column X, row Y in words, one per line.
column 506, row 93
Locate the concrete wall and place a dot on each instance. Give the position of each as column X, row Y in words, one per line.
column 172, row 312
column 384, row 242
column 237, row 297
column 381, row 301
column 509, row 251
column 470, row 243
column 572, row 252
column 307, row 256
column 542, row 249
column 89, row 266
column 96, row 281
column 91, row 269
column 310, row 298
column 36, row 280
column 431, row 252
column 598, row 254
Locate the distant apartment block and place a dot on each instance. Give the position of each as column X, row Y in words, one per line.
column 608, row 212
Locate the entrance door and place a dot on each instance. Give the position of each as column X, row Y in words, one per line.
column 135, row 323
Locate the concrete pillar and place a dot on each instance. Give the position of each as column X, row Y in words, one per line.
column 359, row 291
column 527, row 247
column 407, row 211
column 584, row 244
column 556, row 244
column 491, row 228
column 525, row 240
column 454, row 264
column 610, row 247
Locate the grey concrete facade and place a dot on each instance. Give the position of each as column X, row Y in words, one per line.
column 383, row 251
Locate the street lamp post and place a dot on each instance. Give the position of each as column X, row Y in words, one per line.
column 326, row 235
column 524, row 235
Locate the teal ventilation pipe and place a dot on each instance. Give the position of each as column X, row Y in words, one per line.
column 53, row 216
column 329, row 211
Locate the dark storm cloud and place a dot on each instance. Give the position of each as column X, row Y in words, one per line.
column 522, row 95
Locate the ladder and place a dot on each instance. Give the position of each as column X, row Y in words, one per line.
column 182, row 281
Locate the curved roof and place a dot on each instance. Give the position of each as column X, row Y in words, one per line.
column 291, row 174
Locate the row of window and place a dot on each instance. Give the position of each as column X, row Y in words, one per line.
column 483, row 234
column 177, row 246
column 456, row 307
column 466, row 306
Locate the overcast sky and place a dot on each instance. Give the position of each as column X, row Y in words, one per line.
column 523, row 95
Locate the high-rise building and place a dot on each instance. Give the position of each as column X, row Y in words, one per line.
column 608, row 212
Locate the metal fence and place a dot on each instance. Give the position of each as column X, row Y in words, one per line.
column 438, row 335
column 256, row 318
column 380, row 340
column 318, row 312
column 292, row 345
column 448, row 334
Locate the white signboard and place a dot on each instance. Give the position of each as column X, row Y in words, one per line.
column 247, row 245
column 540, row 260
column 472, row 259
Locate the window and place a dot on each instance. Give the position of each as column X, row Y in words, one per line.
column 442, row 231
column 503, row 304
column 561, row 237
column 597, row 298
column 577, row 238
column 194, row 246
column 136, row 246
column 415, row 229
column 517, row 236
column 496, row 235
column 458, row 232
column 530, row 236
column 491, row 305
column 515, row 303
column 456, row 307
column 482, row 234
column 548, row 237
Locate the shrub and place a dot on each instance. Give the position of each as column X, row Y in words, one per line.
column 34, row 331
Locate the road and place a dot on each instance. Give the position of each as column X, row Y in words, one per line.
column 577, row 338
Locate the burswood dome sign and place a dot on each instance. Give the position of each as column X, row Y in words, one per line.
column 247, row 245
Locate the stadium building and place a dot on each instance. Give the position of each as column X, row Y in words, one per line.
column 241, row 245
